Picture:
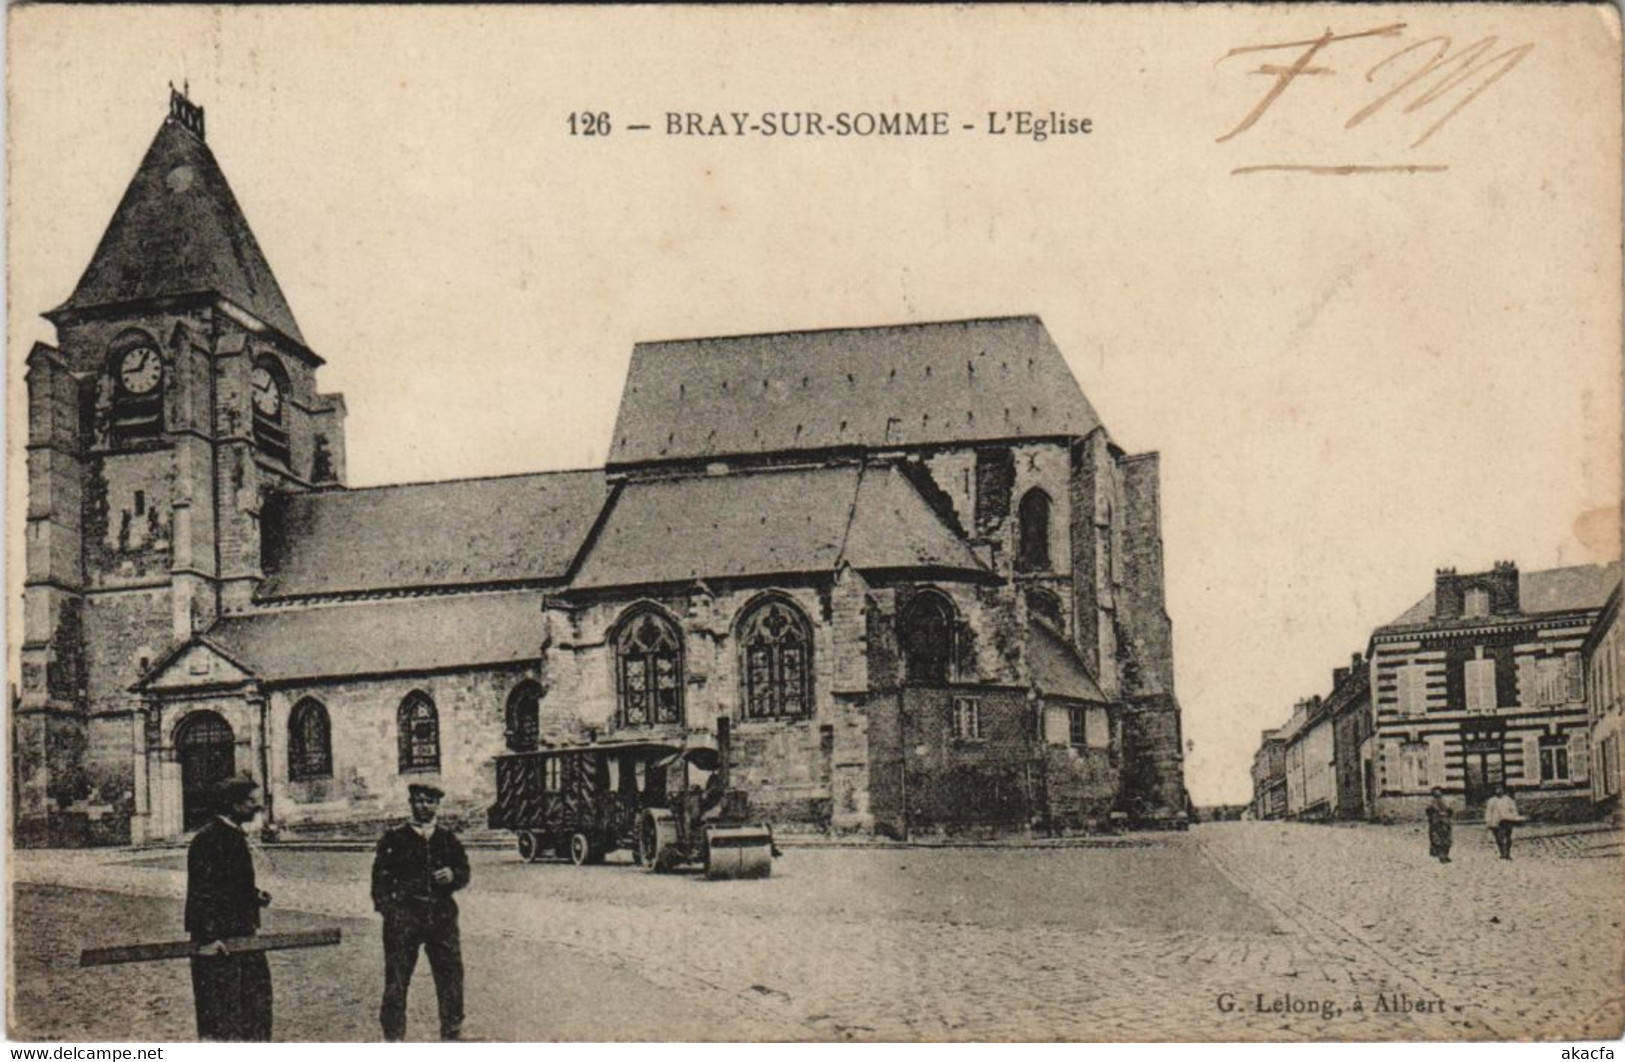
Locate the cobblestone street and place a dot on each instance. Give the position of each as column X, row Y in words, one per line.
column 1150, row 937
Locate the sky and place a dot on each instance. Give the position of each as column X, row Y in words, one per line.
column 1352, row 378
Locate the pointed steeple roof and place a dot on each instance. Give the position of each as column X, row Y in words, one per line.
column 179, row 231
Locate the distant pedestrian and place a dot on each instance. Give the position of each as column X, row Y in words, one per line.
column 232, row 992
column 1500, row 814
column 1439, row 827
column 418, row 867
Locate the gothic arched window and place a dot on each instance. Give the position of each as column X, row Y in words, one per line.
column 1032, row 546
column 649, row 663
column 524, row 718
column 775, row 643
column 310, row 741
column 419, row 725
column 928, row 638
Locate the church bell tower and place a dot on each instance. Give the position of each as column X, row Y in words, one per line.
column 179, row 397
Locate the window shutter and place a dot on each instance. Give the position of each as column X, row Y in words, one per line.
column 1480, row 681
column 1531, row 759
column 1390, row 781
column 1579, row 756
column 1436, row 771
column 1576, row 677
column 1412, row 690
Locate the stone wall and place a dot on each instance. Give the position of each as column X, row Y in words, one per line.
column 121, row 630
column 1142, row 609
column 968, row 784
column 1079, row 787
column 1153, row 757
column 367, row 787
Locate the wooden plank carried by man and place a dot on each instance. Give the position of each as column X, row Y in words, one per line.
column 187, row 949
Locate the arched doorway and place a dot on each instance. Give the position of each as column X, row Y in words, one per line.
column 208, row 754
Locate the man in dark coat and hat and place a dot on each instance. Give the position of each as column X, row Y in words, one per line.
column 232, row 992
column 418, row 866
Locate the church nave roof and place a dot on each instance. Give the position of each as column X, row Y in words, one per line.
column 436, row 536
column 869, row 388
column 766, row 523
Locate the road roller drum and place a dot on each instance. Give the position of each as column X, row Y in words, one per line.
column 738, row 852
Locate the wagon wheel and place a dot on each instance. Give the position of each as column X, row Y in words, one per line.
column 530, row 846
column 583, row 850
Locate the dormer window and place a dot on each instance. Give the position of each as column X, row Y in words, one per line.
column 137, row 371
column 270, row 387
column 1477, row 604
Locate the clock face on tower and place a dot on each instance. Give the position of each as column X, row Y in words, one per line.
column 140, row 370
column 267, row 393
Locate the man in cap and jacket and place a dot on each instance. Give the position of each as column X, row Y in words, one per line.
column 418, row 866
column 232, row 992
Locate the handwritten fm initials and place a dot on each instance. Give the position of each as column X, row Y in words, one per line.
column 1436, row 73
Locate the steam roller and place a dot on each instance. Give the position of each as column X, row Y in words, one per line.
column 733, row 852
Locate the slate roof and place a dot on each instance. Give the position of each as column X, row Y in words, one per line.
column 179, row 231
column 430, row 535
column 382, row 637
column 1554, row 590
column 901, row 385
column 770, row 523
column 1056, row 668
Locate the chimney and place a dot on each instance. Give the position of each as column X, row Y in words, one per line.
column 1503, row 587
column 184, row 113
column 1340, row 675
column 1447, row 594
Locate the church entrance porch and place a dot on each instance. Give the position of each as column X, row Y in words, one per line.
column 207, row 751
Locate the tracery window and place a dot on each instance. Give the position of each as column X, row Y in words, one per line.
column 928, row 638
column 776, row 674
column 419, row 725
column 310, row 741
column 524, row 717
column 649, row 661
column 1032, row 547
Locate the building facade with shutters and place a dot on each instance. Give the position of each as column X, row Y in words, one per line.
column 1604, row 654
column 908, row 564
column 1483, row 683
column 1311, row 781
column 1349, row 707
column 1269, row 777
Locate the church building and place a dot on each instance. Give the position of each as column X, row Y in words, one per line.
column 907, row 565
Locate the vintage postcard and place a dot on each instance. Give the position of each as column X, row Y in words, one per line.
column 814, row 523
